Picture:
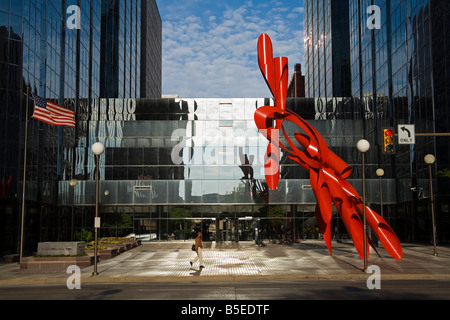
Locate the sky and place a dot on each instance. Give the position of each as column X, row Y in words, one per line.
column 209, row 47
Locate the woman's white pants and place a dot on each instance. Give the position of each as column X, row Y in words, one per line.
column 199, row 257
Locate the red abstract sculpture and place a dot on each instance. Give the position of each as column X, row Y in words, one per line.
column 328, row 172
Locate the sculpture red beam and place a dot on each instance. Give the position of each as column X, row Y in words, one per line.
column 328, row 172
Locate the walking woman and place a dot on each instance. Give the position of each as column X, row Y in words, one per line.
column 198, row 250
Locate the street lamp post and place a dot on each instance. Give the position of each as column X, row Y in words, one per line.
column 97, row 149
column 429, row 160
column 72, row 183
column 364, row 146
column 380, row 174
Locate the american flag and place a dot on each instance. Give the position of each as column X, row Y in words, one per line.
column 52, row 113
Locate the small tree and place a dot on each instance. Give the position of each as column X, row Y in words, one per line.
column 179, row 215
column 84, row 235
column 445, row 173
column 117, row 220
column 276, row 216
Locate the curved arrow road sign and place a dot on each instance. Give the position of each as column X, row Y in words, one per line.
column 406, row 134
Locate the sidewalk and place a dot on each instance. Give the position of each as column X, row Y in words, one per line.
column 169, row 262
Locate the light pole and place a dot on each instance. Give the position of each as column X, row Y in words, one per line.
column 380, row 174
column 364, row 146
column 429, row 160
column 72, row 183
column 97, row 148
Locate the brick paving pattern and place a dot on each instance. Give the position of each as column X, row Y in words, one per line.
column 169, row 261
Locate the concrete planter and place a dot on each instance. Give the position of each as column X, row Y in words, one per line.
column 119, row 247
column 133, row 244
column 55, row 263
column 11, row 258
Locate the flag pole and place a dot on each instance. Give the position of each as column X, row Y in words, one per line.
column 24, row 175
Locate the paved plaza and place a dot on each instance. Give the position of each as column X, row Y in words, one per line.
column 169, row 261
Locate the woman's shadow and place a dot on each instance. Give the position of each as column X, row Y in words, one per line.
column 196, row 272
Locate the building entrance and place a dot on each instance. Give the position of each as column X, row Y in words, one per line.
column 228, row 223
column 213, row 229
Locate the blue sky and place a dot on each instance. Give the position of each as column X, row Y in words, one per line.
column 209, row 47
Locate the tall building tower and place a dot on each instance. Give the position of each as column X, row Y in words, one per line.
column 131, row 46
column 40, row 52
column 327, row 48
column 151, row 50
column 399, row 60
column 400, row 71
column 56, row 49
column 405, row 60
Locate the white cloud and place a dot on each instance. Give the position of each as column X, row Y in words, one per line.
column 214, row 54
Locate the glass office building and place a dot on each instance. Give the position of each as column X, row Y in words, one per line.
column 399, row 73
column 404, row 66
column 172, row 166
column 42, row 49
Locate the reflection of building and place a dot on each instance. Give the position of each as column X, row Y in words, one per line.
column 296, row 87
column 131, row 49
column 10, row 116
column 327, row 48
column 63, row 65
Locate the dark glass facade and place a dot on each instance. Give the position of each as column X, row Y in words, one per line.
column 60, row 64
column 399, row 74
column 132, row 45
column 151, row 50
column 173, row 165
column 327, row 48
column 440, row 57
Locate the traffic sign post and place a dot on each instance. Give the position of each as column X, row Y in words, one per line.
column 406, row 134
